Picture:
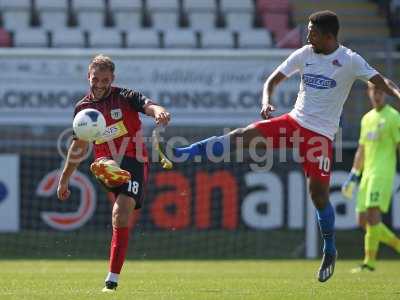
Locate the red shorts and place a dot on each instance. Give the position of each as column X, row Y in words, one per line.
column 315, row 150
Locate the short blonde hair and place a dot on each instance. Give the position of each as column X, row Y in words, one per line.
column 102, row 62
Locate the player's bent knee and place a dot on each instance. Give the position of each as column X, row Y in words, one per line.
column 238, row 133
column 373, row 215
column 120, row 218
column 246, row 134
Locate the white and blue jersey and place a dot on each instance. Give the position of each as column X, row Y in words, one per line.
column 325, row 84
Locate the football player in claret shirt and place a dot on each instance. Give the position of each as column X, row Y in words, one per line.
column 327, row 71
column 121, row 163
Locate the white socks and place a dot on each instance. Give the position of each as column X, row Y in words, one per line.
column 112, row 277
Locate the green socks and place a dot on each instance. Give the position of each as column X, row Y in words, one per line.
column 371, row 244
column 388, row 237
column 375, row 234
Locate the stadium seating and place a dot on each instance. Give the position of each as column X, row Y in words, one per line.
column 31, row 38
column 202, row 20
column 51, row 5
column 53, row 19
column 255, row 39
column 273, row 6
column 91, row 19
column 239, row 20
column 9, row 5
column 278, row 23
column 14, row 20
column 52, row 14
column 168, row 23
column 88, row 5
column 128, row 20
column 217, row 39
column 180, row 39
column 68, row 38
column 200, row 6
column 146, row 38
column 162, row 5
column 5, row 38
column 237, row 6
column 125, row 5
column 107, row 38
column 165, row 20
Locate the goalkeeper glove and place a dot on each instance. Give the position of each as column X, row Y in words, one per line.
column 351, row 183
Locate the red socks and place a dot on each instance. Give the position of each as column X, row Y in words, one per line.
column 119, row 246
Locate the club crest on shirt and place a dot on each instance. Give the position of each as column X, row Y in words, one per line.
column 372, row 135
column 336, row 63
column 116, row 114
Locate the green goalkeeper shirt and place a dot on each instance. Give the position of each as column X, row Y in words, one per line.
column 380, row 134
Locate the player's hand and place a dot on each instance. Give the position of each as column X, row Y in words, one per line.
column 63, row 191
column 162, row 118
column 266, row 111
column 350, row 184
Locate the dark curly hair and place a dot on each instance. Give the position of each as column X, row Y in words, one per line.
column 326, row 22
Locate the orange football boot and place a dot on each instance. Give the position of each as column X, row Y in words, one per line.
column 109, row 173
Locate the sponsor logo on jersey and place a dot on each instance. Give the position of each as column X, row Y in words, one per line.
column 116, row 114
column 318, row 81
column 113, row 131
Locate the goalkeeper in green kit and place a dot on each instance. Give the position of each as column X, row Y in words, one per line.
column 376, row 160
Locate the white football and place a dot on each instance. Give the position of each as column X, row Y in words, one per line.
column 89, row 124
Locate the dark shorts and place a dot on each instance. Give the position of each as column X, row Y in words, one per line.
column 136, row 187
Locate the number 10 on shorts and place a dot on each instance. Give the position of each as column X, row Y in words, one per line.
column 324, row 163
column 133, row 187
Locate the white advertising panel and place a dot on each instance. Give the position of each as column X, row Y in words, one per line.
column 197, row 87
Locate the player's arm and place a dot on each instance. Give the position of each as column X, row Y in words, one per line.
column 273, row 80
column 358, row 162
column 386, row 85
column 76, row 153
column 159, row 113
column 353, row 179
column 162, row 117
column 145, row 105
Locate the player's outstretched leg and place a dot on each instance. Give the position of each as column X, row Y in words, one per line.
column 215, row 145
column 387, row 237
column 375, row 234
column 108, row 172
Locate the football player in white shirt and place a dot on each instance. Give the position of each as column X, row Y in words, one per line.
column 327, row 71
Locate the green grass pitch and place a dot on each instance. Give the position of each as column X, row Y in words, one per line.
column 233, row 279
